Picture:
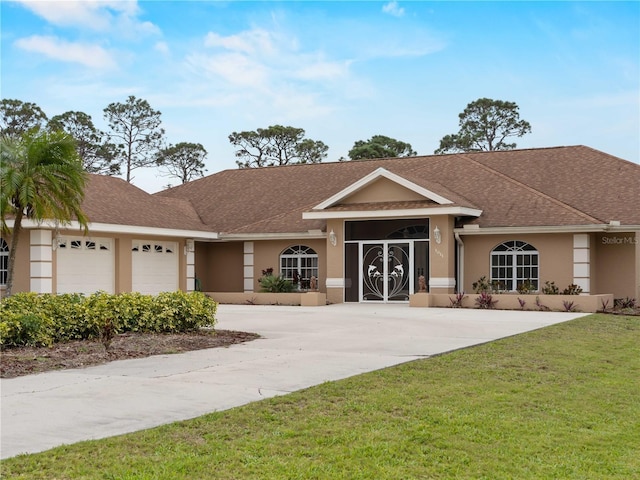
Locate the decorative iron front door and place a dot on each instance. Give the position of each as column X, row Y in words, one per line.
column 386, row 271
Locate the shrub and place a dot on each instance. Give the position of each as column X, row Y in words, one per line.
column 456, row 302
column 275, row 284
column 624, row 303
column 31, row 319
column 541, row 307
column 569, row 306
column 485, row 300
column 522, row 303
column 526, row 287
column 482, row 285
column 550, row 288
column 572, row 289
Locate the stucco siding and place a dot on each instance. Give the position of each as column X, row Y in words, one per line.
column 555, row 256
column 219, row 266
column 616, row 264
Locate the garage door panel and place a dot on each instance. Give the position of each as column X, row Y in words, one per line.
column 155, row 266
column 85, row 265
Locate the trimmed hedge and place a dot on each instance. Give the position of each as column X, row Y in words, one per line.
column 41, row 320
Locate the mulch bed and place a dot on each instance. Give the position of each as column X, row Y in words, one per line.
column 20, row 361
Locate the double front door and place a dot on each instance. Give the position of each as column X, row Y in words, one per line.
column 388, row 271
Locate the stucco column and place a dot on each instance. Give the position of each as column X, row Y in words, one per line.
column 40, row 261
column 637, row 241
column 248, row 267
column 190, row 260
column 335, row 261
column 582, row 261
column 442, row 246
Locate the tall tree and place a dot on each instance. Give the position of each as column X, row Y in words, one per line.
column 135, row 129
column 485, row 125
column 41, row 178
column 276, row 145
column 18, row 117
column 183, row 160
column 380, row 146
column 93, row 146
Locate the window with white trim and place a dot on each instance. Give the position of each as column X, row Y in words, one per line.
column 514, row 263
column 4, row 261
column 298, row 264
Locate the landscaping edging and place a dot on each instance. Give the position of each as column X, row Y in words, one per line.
column 307, row 299
column 509, row 301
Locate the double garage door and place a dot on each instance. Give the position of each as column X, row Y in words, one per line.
column 88, row 265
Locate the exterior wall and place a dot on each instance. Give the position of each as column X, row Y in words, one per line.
column 25, row 275
column 383, row 190
column 556, row 256
column 442, row 278
column 266, row 254
column 21, row 273
column 617, row 264
column 219, row 266
column 335, row 262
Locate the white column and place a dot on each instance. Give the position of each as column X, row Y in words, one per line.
column 581, row 262
column 41, row 261
column 248, row 267
column 191, row 265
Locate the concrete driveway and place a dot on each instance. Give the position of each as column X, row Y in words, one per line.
column 300, row 347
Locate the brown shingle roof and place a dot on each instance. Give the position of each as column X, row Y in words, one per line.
column 536, row 187
column 114, row 201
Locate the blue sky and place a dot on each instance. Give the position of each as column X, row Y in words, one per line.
column 343, row 71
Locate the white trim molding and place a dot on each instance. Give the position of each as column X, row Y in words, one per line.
column 442, row 282
column 408, row 212
column 335, row 283
column 474, row 229
column 115, row 229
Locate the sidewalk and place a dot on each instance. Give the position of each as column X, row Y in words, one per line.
column 300, row 347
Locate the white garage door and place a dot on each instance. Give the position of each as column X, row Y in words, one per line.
column 85, row 265
column 155, row 266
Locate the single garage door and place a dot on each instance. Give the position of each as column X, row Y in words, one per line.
column 85, row 265
column 155, row 266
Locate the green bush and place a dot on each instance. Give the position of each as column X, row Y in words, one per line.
column 32, row 319
column 275, row 284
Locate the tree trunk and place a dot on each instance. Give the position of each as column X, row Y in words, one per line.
column 15, row 236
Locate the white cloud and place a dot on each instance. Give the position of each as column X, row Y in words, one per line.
column 257, row 41
column 162, row 47
column 392, row 8
column 92, row 56
column 97, row 15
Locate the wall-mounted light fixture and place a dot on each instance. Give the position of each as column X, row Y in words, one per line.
column 333, row 239
column 437, row 236
column 189, row 246
column 56, row 241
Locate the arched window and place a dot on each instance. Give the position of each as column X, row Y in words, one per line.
column 4, row 261
column 514, row 263
column 298, row 264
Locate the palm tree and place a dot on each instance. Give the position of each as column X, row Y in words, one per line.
column 41, row 178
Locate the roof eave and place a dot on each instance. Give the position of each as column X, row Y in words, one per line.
column 249, row 237
column 593, row 228
column 119, row 229
column 410, row 212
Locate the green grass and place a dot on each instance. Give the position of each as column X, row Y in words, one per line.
column 561, row 402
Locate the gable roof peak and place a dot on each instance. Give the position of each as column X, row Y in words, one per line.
column 377, row 174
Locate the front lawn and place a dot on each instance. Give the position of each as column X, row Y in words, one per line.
column 561, row 402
